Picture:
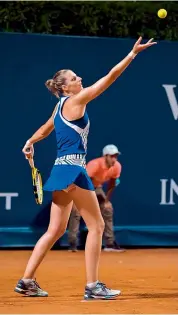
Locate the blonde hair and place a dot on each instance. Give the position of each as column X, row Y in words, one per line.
column 54, row 85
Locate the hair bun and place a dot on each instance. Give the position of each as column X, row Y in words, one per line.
column 49, row 83
column 51, row 86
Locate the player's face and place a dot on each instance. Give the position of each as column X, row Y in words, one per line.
column 111, row 159
column 73, row 83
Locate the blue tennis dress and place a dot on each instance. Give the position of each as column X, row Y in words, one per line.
column 70, row 164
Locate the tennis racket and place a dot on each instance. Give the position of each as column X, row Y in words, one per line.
column 37, row 182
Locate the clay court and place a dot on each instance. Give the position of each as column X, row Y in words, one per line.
column 148, row 280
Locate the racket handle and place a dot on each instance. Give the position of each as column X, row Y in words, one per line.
column 31, row 162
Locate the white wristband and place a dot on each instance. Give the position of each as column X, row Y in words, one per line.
column 132, row 54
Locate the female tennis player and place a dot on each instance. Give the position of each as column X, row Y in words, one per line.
column 68, row 180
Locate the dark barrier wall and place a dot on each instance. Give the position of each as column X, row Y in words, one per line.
column 138, row 114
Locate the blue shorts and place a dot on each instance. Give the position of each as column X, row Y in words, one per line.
column 62, row 176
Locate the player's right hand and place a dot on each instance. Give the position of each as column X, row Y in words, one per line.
column 28, row 150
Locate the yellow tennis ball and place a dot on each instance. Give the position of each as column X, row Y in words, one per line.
column 162, row 13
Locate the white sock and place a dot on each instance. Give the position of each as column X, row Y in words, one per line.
column 91, row 285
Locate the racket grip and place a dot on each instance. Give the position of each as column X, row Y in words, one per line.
column 31, row 162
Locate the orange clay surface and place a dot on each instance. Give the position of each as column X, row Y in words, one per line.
column 147, row 278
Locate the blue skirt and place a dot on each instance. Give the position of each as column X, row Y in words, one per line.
column 62, row 176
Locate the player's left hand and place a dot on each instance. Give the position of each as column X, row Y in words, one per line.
column 138, row 47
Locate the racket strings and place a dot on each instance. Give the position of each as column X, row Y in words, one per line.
column 37, row 185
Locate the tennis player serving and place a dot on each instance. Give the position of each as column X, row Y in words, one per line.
column 68, row 180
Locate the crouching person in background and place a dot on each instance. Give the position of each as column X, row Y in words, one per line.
column 105, row 169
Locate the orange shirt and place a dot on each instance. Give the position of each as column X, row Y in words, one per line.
column 100, row 173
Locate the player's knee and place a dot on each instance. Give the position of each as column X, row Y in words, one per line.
column 57, row 233
column 61, row 231
column 99, row 228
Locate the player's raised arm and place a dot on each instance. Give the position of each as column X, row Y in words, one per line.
column 89, row 93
